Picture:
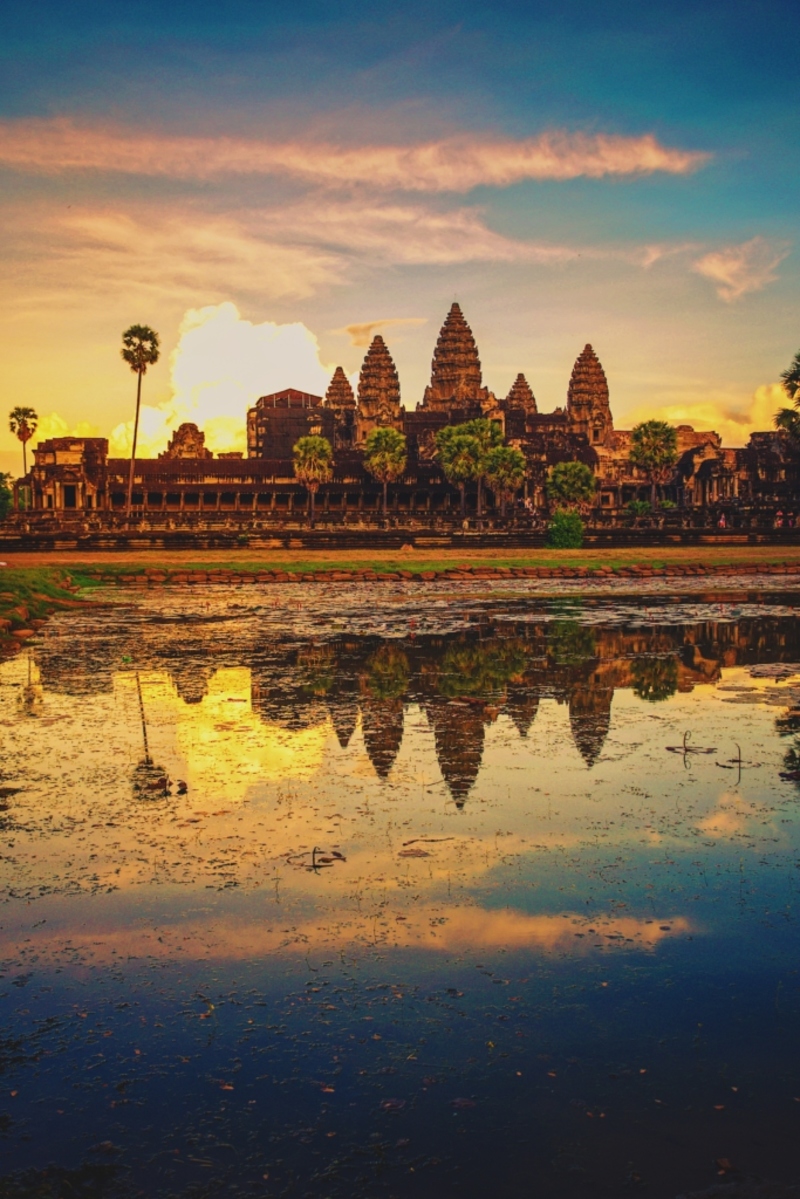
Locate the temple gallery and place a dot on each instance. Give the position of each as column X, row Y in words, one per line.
column 187, row 483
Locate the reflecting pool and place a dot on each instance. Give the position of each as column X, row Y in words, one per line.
column 394, row 891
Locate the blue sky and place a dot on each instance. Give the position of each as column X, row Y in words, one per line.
column 615, row 173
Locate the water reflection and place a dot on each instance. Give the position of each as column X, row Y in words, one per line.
column 462, row 682
column 350, row 907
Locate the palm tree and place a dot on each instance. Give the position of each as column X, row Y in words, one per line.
column 489, row 436
column 654, row 450
column 22, row 422
column 788, row 419
column 460, row 456
column 571, row 485
column 505, row 472
column 313, row 465
column 385, row 457
column 140, row 349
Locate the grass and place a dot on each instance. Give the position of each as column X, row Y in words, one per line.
column 86, row 568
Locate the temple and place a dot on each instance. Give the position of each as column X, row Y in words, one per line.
column 74, row 477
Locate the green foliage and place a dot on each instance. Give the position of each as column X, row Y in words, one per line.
column 313, row 461
column 22, row 422
column 565, row 530
column 505, row 469
column 570, row 485
column 791, row 380
column 637, row 508
column 459, row 453
column 570, row 643
column 385, row 454
column 654, row 678
column 388, row 673
column 654, row 449
column 668, row 505
column 140, row 348
column 475, row 669
column 487, row 433
column 6, row 496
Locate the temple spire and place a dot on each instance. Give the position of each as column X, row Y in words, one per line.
column 378, row 391
column 587, row 399
column 456, row 368
column 339, row 395
column 521, row 395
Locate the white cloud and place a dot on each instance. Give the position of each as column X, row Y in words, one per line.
column 221, row 365
column 737, row 270
column 457, row 163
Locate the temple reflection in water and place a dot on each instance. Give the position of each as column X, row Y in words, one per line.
column 462, row 682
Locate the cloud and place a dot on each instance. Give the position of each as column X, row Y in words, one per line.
column 361, row 335
column 721, row 415
column 457, row 163
column 737, row 270
column 220, row 366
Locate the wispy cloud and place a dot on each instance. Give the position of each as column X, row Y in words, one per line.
column 362, row 334
column 730, row 416
column 737, row 270
column 457, row 163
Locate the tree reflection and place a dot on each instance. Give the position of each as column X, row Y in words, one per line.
column 654, row 678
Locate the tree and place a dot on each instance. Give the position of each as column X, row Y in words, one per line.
column 460, row 456
column 22, row 422
column 654, row 450
column 570, row 485
column 313, row 465
column 5, row 495
column 140, row 349
column 489, row 435
column 505, row 472
column 385, row 457
column 788, row 419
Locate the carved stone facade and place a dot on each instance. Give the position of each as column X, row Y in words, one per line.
column 76, row 473
column 187, row 442
column 378, row 392
column 456, row 378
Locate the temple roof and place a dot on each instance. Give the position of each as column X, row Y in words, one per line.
column 340, row 394
column 378, row 383
column 521, row 395
column 588, row 383
column 456, row 367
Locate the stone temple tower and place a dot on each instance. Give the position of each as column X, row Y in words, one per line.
column 378, row 392
column 456, row 368
column 588, row 408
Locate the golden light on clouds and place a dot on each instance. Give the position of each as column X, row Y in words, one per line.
column 723, row 415
column 457, row 163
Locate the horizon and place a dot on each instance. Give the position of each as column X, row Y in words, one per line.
column 262, row 187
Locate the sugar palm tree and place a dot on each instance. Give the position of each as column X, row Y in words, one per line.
column 489, row 436
column 22, row 422
column 654, row 450
column 313, row 465
column 385, row 457
column 570, row 485
column 505, row 472
column 460, row 456
column 140, row 349
column 788, row 419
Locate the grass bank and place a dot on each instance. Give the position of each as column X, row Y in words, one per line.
column 27, row 597
column 86, row 567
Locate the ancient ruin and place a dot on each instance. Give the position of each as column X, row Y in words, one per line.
column 73, row 477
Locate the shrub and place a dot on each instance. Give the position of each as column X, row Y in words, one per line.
column 638, row 507
column 565, row 530
column 6, row 496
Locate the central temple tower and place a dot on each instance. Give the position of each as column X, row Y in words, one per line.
column 456, row 380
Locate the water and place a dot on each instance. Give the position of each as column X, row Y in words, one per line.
column 393, row 891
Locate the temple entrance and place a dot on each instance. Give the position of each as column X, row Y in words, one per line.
column 69, row 495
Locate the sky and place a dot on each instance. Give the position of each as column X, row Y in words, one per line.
column 268, row 184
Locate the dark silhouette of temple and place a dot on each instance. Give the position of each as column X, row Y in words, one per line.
column 187, row 484
column 462, row 682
